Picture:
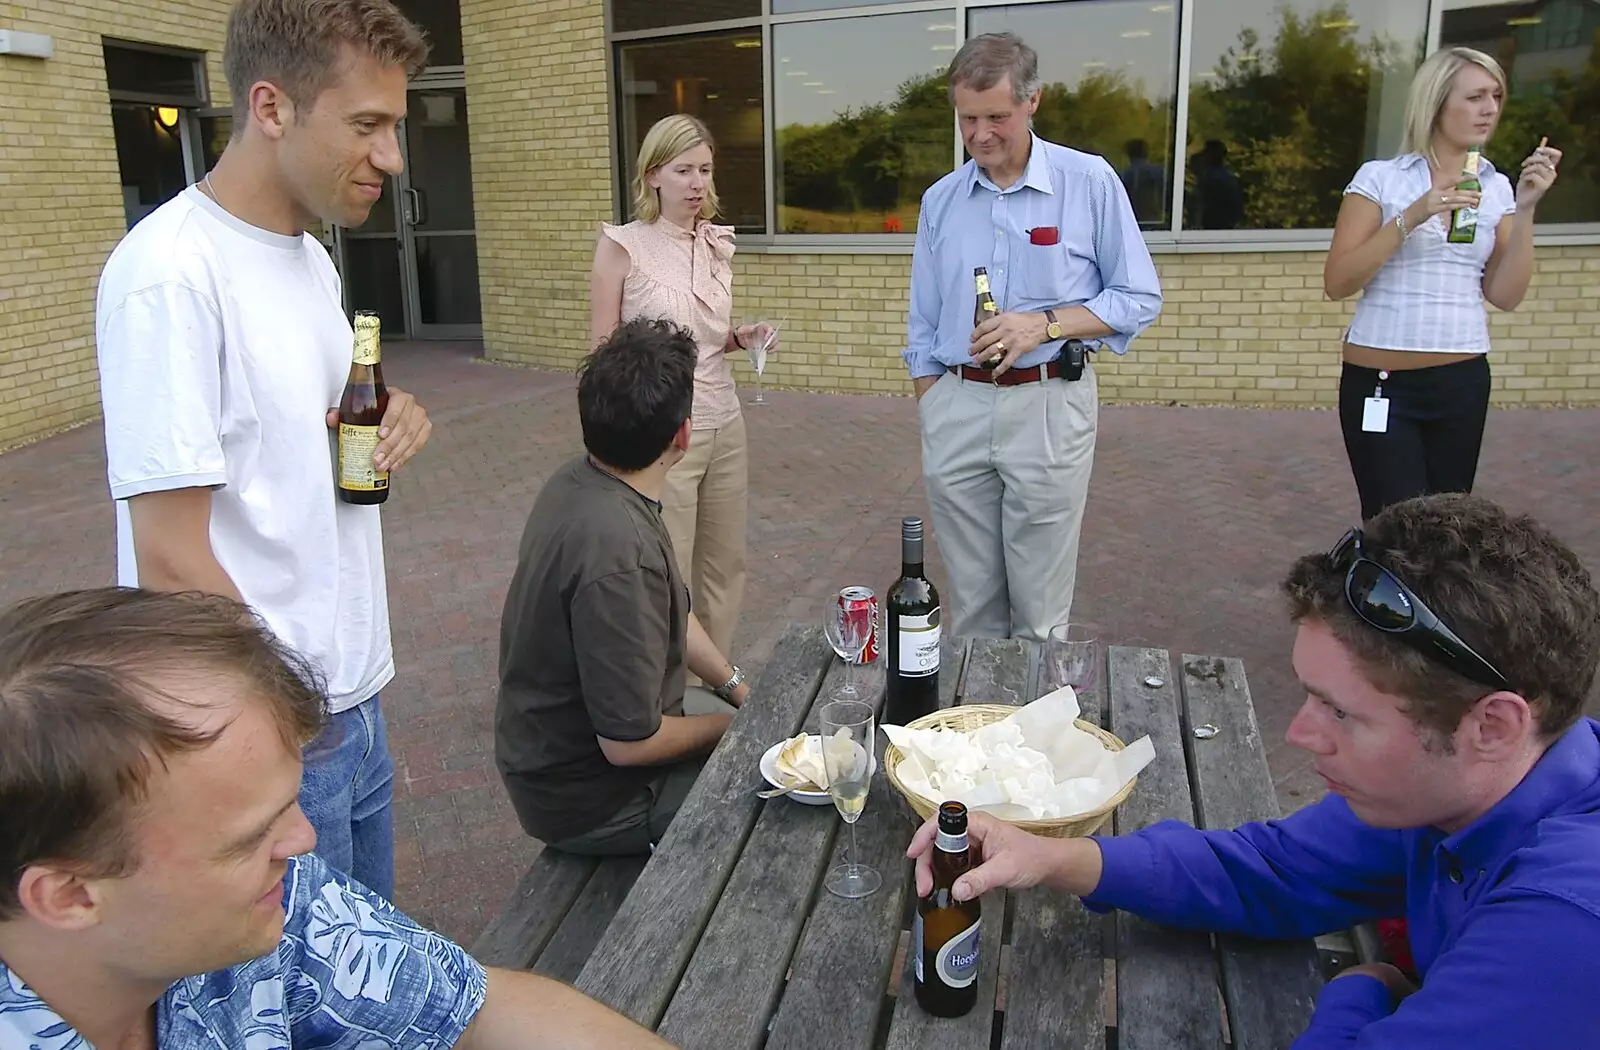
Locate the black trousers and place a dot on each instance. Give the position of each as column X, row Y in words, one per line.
column 1436, row 418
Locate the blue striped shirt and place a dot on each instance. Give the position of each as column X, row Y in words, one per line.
column 1100, row 261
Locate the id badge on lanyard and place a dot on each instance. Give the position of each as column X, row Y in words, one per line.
column 1375, row 410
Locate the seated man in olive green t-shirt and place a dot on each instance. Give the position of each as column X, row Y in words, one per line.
column 595, row 735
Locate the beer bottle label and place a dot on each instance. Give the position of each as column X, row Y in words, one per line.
column 919, row 645
column 1466, row 218
column 356, row 448
column 366, row 342
column 957, row 959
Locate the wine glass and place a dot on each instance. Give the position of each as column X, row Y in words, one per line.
column 761, row 340
column 849, row 636
column 847, row 743
column 1072, row 657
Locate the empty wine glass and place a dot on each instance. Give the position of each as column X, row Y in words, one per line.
column 757, row 344
column 847, row 743
column 848, row 634
column 1072, row 657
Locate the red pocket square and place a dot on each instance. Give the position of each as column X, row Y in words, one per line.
column 1044, row 235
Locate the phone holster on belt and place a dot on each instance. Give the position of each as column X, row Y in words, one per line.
column 1073, row 355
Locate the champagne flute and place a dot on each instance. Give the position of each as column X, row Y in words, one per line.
column 761, row 340
column 847, row 743
column 1072, row 656
column 849, row 636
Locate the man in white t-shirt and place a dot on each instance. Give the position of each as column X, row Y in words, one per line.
column 223, row 343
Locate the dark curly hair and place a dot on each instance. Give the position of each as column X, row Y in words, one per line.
column 1504, row 583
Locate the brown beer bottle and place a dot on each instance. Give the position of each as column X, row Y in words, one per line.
column 361, row 410
column 944, row 938
column 985, row 307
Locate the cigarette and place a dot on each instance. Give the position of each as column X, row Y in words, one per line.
column 1542, row 140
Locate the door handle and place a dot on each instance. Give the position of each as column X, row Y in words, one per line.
column 416, row 211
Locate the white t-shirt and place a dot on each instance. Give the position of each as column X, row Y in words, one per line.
column 1429, row 295
column 222, row 346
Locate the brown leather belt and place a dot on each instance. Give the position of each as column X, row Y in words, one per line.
column 1011, row 377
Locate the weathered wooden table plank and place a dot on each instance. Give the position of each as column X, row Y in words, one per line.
column 838, row 987
column 637, row 964
column 1166, row 979
column 1056, row 987
column 537, row 907
column 587, row 919
column 996, row 672
column 1270, row 988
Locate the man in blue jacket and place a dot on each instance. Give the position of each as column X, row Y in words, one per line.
column 1446, row 650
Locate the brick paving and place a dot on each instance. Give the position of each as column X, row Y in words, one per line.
column 1194, row 513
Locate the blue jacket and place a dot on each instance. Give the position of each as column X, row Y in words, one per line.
column 1504, row 914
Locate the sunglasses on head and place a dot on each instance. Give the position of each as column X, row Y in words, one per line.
column 1384, row 602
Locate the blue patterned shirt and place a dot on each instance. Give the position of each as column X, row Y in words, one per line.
column 1099, row 260
column 351, row 971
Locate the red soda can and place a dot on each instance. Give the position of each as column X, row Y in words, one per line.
column 855, row 605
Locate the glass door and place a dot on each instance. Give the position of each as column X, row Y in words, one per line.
column 440, row 240
column 415, row 259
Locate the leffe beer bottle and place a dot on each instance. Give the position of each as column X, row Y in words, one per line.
column 361, row 411
column 985, row 307
column 945, row 932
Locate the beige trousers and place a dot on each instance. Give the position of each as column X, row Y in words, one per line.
column 1007, row 473
column 704, row 507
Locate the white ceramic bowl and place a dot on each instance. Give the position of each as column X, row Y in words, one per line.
column 769, row 772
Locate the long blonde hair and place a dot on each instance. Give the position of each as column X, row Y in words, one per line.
column 666, row 139
column 1430, row 88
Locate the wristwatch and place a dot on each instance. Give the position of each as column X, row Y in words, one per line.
column 1053, row 330
column 725, row 690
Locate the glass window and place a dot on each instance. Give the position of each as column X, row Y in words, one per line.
column 215, row 130
column 1551, row 55
column 790, row 7
column 149, row 156
column 1109, row 68
column 629, row 15
column 134, row 74
column 442, row 20
column 716, row 78
column 1287, row 99
column 863, row 120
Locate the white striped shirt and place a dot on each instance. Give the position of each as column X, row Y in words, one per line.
column 1429, row 295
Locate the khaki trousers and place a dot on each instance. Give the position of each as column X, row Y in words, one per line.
column 704, row 505
column 1007, row 473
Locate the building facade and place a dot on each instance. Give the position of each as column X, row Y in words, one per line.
column 1235, row 125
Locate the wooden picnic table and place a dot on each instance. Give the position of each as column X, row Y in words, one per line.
column 726, row 939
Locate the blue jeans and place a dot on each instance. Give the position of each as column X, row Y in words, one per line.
column 347, row 792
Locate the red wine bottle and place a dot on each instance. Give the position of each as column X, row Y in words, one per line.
column 911, row 622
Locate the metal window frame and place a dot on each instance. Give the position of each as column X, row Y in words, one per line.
column 1171, row 240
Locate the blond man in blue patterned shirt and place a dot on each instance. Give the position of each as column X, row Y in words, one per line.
column 159, row 888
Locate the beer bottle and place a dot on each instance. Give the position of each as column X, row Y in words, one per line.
column 944, row 937
column 985, row 307
column 361, row 410
column 1464, row 221
column 912, row 627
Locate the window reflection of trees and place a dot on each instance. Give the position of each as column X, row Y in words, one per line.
column 1277, row 129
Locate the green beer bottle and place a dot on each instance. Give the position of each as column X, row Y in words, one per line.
column 1464, row 221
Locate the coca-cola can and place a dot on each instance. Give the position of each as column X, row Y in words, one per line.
column 857, row 604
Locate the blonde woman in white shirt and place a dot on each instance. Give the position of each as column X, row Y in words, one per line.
column 1420, row 331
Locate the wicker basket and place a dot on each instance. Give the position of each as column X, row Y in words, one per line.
column 975, row 716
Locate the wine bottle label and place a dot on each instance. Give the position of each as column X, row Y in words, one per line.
column 919, row 645
column 957, row 959
column 356, row 448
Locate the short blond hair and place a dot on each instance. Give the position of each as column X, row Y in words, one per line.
column 666, row 139
column 1430, row 88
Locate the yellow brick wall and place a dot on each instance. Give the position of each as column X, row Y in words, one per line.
column 541, row 176
column 60, row 193
column 1248, row 328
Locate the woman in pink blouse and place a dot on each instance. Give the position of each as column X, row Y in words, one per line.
column 671, row 262
column 1414, row 391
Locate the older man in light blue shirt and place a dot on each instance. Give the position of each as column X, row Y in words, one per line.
column 1008, row 424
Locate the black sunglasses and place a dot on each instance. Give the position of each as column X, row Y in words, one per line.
column 1380, row 598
